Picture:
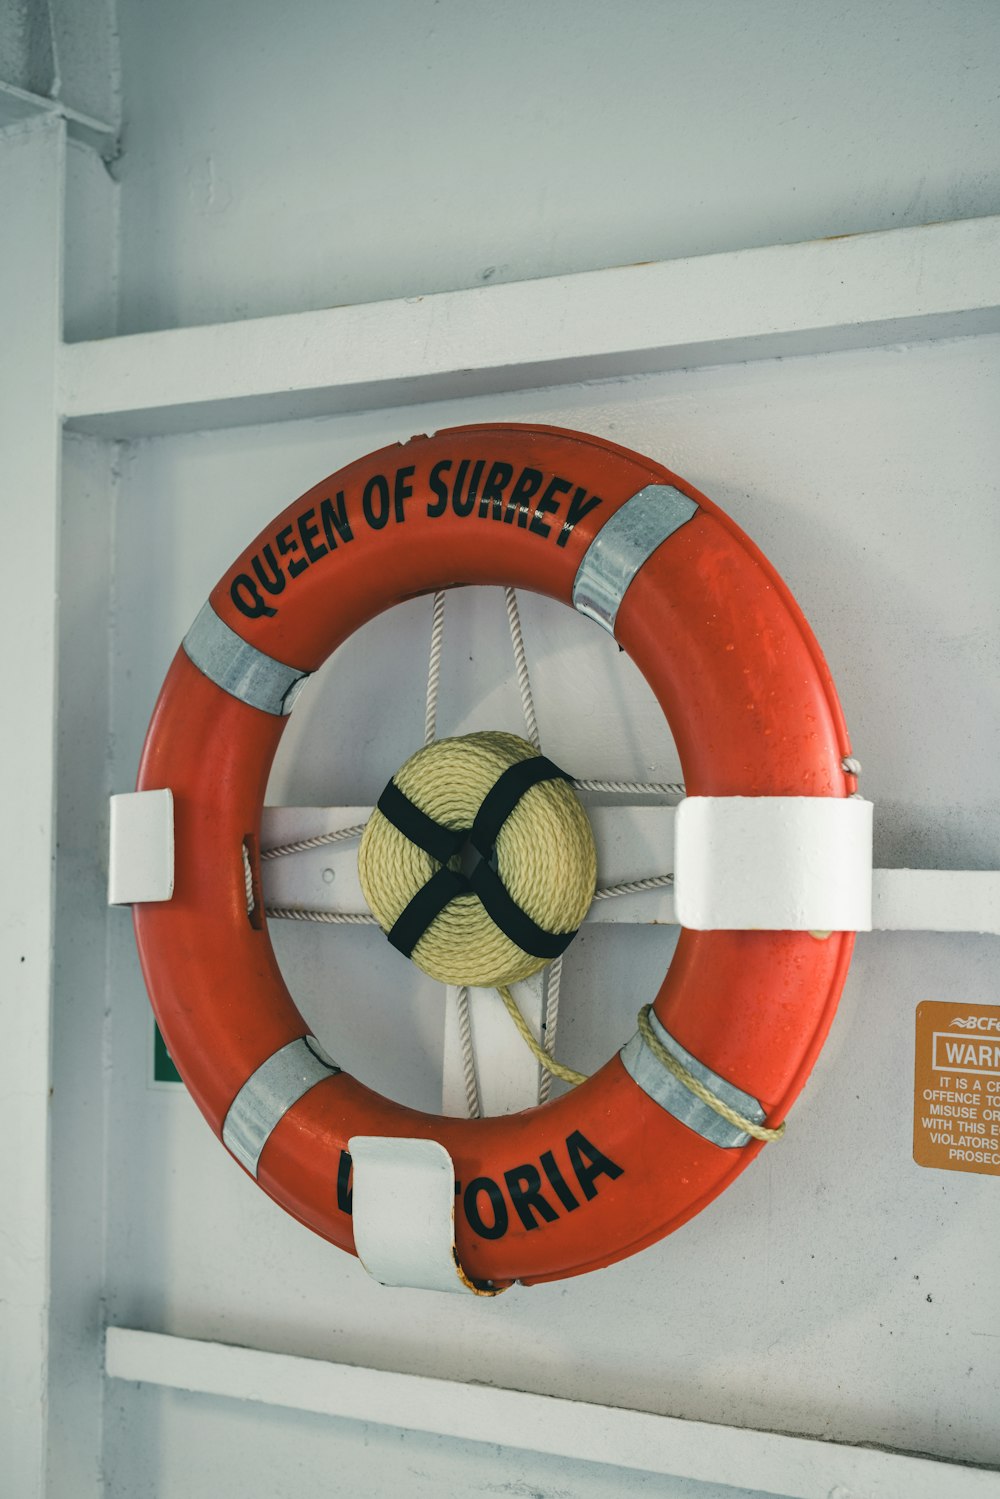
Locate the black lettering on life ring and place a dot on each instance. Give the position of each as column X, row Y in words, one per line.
column 524, row 1184
column 470, row 1202
column 486, row 489
column 247, row 597
column 271, row 576
column 462, row 501
column 497, row 479
column 547, row 504
column 526, row 1190
column 345, row 1185
column 589, row 1163
column 402, row 490
column 287, row 545
column 436, row 481
column 580, row 505
column 309, row 531
column 333, row 514
column 558, row 1182
column 529, row 482
column 376, row 502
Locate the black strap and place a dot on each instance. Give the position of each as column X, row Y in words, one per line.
column 514, row 922
column 443, row 843
column 428, row 903
column 433, row 837
column 504, row 795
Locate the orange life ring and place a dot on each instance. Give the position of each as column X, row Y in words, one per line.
column 607, row 1169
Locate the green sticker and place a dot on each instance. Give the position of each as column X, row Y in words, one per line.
column 164, row 1070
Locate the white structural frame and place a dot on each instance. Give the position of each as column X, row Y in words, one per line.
column 876, row 289
column 795, row 1467
column 858, row 291
column 32, row 168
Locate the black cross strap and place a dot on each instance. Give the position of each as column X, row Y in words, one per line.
column 443, row 843
column 433, row 837
column 428, row 903
column 504, row 795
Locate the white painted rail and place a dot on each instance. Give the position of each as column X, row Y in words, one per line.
column 795, row 1467
column 858, row 291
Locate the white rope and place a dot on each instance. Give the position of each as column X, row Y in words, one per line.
column 633, row 788
column 334, row 918
column 632, row 887
column 473, row 1102
column 248, row 879
column 550, row 1022
column 434, row 669
column 628, row 887
column 317, row 842
column 521, row 667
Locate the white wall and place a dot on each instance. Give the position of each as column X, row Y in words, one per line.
column 318, row 152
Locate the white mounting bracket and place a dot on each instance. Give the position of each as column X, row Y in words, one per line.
column 773, row 863
column 403, row 1213
column 141, row 856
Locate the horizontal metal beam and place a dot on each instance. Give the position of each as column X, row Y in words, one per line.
column 796, row 1467
column 858, row 291
column 18, row 104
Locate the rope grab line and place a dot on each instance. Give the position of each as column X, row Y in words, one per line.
column 677, row 1069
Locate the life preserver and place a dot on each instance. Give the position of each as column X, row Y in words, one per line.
column 607, row 1169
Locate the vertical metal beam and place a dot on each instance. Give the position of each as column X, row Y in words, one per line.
column 32, row 165
column 77, row 1112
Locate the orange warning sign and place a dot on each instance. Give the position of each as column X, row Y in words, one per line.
column 956, row 1093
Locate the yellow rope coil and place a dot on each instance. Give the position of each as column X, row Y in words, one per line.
column 545, row 856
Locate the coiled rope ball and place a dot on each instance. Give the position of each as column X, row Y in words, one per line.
column 543, row 853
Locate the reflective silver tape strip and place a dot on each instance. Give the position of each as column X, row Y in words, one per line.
column 240, row 668
column 269, row 1093
column 664, row 1089
column 623, row 544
